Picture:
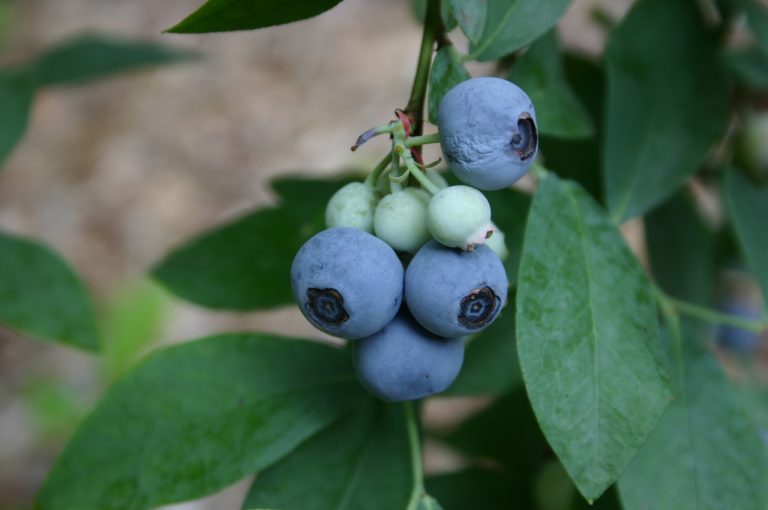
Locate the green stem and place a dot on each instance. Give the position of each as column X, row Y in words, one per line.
column 394, row 173
column 708, row 315
column 416, row 172
column 374, row 175
column 415, row 107
column 417, row 141
column 412, row 426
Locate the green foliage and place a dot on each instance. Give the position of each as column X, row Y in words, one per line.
column 227, row 15
column 194, row 418
column 92, row 56
column 41, row 296
column 748, row 208
column 541, row 74
column 510, row 25
column 132, row 320
column 510, row 212
column 472, row 488
column 470, row 15
column 361, row 461
column 706, row 452
column 666, row 104
column 447, row 71
column 587, row 337
column 73, row 61
column 682, row 250
column 17, row 90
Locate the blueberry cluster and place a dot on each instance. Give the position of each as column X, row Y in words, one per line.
column 406, row 277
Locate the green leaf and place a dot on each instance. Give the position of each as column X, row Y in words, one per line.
column 579, row 159
column 132, row 321
column 228, row 15
column 490, row 361
column 362, row 461
column 93, row 56
column 682, row 250
column 40, row 295
column 447, row 71
column 194, row 418
column 705, row 452
column 587, row 337
column 428, row 503
column 17, row 90
column 472, row 488
column 757, row 19
column 667, row 104
column 512, row 24
column 748, row 210
column 419, row 11
column 541, row 74
column 470, row 15
column 242, row 265
column 750, row 66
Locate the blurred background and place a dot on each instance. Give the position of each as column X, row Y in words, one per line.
column 114, row 173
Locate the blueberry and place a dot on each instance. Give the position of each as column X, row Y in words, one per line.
column 488, row 132
column 739, row 340
column 347, row 282
column 405, row 362
column 454, row 293
column 352, row 206
column 460, row 217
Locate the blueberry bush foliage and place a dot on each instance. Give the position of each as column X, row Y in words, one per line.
column 604, row 385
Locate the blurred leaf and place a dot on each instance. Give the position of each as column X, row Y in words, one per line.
column 490, row 362
column 194, row 418
column 362, row 461
column 89, row 57
column 510, row 212
column 750, row 66
column 705, row 452
column 54, row 408
column 227, row 15
column 554, row 489
column 587, row 337
column 472, row 488
column 748, row 211
column 579, row 159
column 510, row 25
column 40, row 295
column 242, row 265
column 470, row 15
column 419, row 11
column 428, row 503
column 447, row 71
column 608, row 501
column 17, row 90
column 682, row 250
column 133, row 320
column 506, row 432
column 757, row 19
column 667, row 104
column 541, row 74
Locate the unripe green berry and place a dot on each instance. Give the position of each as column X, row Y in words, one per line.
column 459, row 217
column 497, row 242
column 400, row 220
column 352, row 206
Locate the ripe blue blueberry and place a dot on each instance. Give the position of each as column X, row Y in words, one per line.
column 488, row 132
column 454, row 293
column 739, row 340
column 403, row 361
column 347, row 282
